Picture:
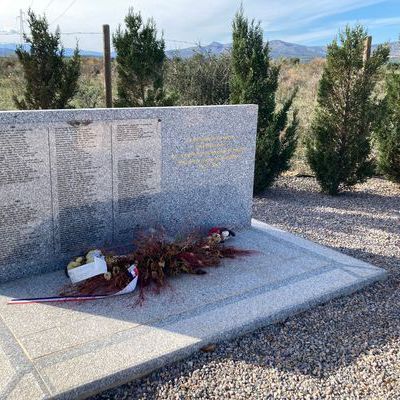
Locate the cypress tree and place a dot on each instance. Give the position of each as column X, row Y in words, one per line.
column 140, row 63
column 51, row 78
column 338, row 148
column 255, row 80
column 388, row 133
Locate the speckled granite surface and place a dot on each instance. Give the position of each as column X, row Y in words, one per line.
column 72, row 180
column 70, row 351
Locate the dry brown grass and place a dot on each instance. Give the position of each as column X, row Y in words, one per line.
column 11, row 83
column 306, row 78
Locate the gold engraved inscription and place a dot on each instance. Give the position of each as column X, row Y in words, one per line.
column 209, row 152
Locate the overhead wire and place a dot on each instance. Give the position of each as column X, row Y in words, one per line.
column 48, row 5
column 64, row 12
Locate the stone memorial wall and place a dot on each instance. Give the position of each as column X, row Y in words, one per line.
column 72, row 180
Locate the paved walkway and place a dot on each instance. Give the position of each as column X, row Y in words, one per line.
column 74, row 350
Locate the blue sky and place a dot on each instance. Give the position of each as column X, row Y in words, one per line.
column 310, row 22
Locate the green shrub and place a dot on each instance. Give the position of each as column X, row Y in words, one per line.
column 338, row 148
column 199, row 80
column 140, row 64
column 255, row 80
column 388, row 133
column 51, row 79
column 90, row 93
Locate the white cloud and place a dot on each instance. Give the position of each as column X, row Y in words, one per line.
column 376, row 22
column 330, row 32
column 311, row 36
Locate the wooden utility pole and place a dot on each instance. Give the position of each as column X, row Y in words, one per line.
column 367, row 48
column 107, row 65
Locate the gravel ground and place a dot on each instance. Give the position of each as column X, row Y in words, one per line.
column 348, row 348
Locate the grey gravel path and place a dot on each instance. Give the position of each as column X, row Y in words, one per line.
column 348, row 348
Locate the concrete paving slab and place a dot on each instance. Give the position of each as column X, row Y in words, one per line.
column 73, row 350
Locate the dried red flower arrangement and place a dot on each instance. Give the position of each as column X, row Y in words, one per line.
column 156, row 258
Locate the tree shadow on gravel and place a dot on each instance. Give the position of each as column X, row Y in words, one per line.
column 374, row 219
column 321, row 341
column 339, row 214
column 314, row 344
column 333, row 335
column 349, row 200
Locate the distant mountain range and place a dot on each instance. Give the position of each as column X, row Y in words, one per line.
column 8, row 49
column 278, row 48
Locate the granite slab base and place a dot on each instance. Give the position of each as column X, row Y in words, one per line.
column 73, row 350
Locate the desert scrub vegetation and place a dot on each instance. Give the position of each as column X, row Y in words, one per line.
column 90, row 92
column 11, row 82
column 202, row 79
column 305, row 77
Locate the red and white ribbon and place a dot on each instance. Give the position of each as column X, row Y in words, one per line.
column 61, row 299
